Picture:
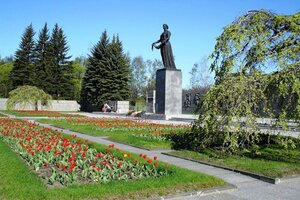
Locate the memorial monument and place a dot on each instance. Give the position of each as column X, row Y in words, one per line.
column 168, row 80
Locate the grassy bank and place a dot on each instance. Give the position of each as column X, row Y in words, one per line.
column 273, row 162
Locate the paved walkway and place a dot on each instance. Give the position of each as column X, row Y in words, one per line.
column 247, row 187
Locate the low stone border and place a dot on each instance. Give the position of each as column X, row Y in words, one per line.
column 253, row 175
column 198, row 193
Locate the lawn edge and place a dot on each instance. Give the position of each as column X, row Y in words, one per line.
column 261, row 177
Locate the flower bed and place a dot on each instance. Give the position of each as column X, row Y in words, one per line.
column 68, row 160
column 138, row 128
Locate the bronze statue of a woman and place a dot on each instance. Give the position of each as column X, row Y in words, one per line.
column 165, row 48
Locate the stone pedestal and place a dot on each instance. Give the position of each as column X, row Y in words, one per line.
column 168, row 92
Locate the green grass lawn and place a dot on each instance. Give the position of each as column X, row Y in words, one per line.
column 271, row 162
column 39, row 113
column 18, row 182
column 1, row 115
column 122, row 134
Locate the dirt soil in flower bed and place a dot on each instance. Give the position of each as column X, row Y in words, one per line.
column 39, row 113
column 140, row 133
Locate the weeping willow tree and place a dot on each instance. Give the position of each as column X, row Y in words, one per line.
column 256, row 65
column 27, row 95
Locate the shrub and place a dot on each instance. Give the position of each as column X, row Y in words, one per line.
column 25, row 95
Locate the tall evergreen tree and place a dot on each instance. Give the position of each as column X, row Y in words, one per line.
column 43, row 61
column 61, row 67
column 107, row 74
column 91, row 84
column 121, row 71
column 23, row 69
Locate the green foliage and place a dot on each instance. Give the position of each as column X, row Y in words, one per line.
column 140, row 104
column 92, row 80
column 25, row 95
column 283, row 92
column 5, row 83
column 23, row 70
column 62, row 86
column 107, row 75
column 200, row 75
column 138, row 81
column 81, row 60
column 78, row 72
column 119, row 72
column 152, row 66
column 43, row 62
column 230, row 109
column 256, row 41
column 143, row 77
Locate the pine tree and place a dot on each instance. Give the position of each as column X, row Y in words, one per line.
column 43, row 61
column 112, row 78
column 61, row 67
column 23, row 69
column 107, row 74
column 92, row 84
column 121, row 71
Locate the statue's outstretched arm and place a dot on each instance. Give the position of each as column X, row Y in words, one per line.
column 153, row 44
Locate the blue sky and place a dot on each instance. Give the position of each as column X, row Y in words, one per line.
column 194, row 24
